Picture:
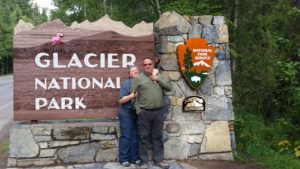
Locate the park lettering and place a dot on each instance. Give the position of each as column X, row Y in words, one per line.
column 109, row 60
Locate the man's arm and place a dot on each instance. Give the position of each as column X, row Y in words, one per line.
column 164, row 82
column 134, row 88
column 134, row 85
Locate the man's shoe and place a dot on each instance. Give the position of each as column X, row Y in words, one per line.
column 143, row 166
column 162, row 164
column 138, row 162
column 125, row 164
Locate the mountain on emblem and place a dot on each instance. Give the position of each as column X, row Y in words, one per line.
column 195, row 60
column 201, row 63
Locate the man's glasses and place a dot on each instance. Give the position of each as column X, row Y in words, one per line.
column 149, row 64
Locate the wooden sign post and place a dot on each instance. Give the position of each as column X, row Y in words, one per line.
column 77, row 78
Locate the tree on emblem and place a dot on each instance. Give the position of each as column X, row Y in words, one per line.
column 188, row 63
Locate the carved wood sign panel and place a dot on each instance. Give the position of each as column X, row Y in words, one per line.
column 78, row 76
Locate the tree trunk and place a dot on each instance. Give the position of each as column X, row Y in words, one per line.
column 155, row 6
column 236, row 8
column 111, row 9
column 158, row 7
column 235, row 24
column 84, row 10
column 104, row 6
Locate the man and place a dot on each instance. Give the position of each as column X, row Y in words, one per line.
column 150, row 87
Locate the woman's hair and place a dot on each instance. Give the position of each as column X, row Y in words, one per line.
column 129, row 67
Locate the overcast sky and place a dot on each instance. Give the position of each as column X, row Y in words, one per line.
column 44, row 4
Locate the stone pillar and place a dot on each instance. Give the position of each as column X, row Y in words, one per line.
column 196, row 135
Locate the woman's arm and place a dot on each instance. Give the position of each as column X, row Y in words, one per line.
column 127, row 98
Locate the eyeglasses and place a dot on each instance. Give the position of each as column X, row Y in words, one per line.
column 147, row 64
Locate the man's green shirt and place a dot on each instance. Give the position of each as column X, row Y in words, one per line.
column 150, row 94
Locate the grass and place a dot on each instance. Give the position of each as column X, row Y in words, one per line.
column 268, row 158
column 4, row 146
column 258, row 143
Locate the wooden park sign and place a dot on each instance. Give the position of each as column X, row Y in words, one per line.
column 81, row 75
column 195, row 59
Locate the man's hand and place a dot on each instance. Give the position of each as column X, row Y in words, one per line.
column 154, row 75
column 155, row 71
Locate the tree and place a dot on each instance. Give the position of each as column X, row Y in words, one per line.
column 266, row 39
column 78, row 10
column 188, row 63
column 194, row 7
column 11, row 11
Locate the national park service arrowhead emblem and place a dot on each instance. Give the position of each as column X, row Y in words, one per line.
column 195, row 60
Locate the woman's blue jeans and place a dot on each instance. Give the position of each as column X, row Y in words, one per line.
column 128, row 142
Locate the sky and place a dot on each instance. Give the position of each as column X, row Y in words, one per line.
column 44, row 4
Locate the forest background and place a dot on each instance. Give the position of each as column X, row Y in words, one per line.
column 264, row 50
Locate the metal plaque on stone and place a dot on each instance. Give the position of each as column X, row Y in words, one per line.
column 193, row 103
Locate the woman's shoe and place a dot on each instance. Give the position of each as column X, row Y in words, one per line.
column 125, row 164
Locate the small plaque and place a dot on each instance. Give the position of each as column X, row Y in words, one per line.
column 193, row 103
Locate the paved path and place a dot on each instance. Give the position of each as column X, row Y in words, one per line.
column 6, row 99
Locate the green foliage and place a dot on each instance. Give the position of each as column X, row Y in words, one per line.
column 77, row 10
column 194, row 7
column 260, row 141
column 11, row 11
column 266, row 87
column 271, row 159
column 139, row 11
column 266, row 43
column 4, row 146
column 131, row 12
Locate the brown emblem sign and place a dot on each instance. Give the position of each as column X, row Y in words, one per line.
column 195, row 59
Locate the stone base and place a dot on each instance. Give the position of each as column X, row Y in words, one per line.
column 63, row 143
column 40, row 145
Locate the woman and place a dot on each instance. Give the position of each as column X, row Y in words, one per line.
column 128, row 142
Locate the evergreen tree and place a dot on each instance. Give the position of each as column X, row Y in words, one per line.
column 77, row 10
column 11, row 11
column 188, row 63
column 266, row 39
